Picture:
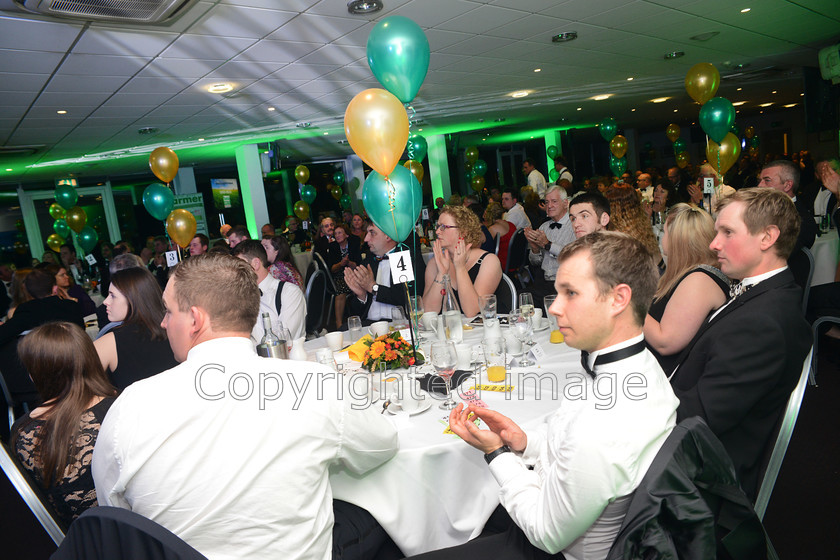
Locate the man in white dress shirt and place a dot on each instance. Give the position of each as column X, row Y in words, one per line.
column 547, row 241
column 228, row 450
column 536, row 180
column 588, row 458
column 292, row 302
column 515, row 213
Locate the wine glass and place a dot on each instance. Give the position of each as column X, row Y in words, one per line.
column 520, row 324
column 397, row 318
column 526, row 308
column 488, row 305
column 444, row 360
column 354, row 327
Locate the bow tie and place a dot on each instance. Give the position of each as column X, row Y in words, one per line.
column 738, row 288
column 610, row 357
column 382, row 258
column 553, row 225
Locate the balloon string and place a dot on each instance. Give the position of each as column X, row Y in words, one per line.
column 411, row 114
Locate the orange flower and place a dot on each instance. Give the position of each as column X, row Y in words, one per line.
column 376, row 349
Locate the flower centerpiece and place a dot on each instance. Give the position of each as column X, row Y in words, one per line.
column 390, row 349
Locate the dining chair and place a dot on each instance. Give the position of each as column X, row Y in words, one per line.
column 802, row 265
column 331, row 289
column 517, row 260
column 506, row 295
column 316, row 293
column 815, row 327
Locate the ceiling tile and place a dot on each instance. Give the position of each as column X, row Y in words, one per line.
column 478, row 45
column 533, row 6
column 169, row 85
column 237, row 21
column 123, row 112
column 63, row 83
column 29, row 34
column 303, row 71
column 181, row 67
column 30, row 62
column 277, row 51
column 242, row 71
column 534, row 27
column 482, row 19
column 338, row 55
column 101, row 65
column 432, row 13
column 21, row 82
column 311, row 28
column 124, row 99
column 577, row 10
column 87, row 99
column 207, row 47
column 123, row 43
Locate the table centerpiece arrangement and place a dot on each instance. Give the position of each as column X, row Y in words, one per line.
column 392, row 350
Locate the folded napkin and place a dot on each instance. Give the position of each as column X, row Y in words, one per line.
column 436, row 384
column 356, row 351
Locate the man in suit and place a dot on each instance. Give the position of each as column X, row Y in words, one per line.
column 738, row 371
column 783, row 176
column 372, row 282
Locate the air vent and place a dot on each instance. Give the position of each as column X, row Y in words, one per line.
column 126, row 11
column 29, row 150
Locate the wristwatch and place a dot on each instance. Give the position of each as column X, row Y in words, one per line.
column 375, row 289
column 547, row 246
column 488, row 457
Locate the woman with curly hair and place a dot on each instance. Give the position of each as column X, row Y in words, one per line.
column 472, row 272
column 691, row 288
column 627, row 216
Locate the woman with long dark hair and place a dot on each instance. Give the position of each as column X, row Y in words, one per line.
column 282, row 263
column 55, row 441
column 138, row 348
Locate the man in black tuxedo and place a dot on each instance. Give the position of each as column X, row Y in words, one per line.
column 738, row 371
column 373, row 284
column 783, row 175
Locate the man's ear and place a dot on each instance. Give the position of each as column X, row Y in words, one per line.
column 255, row 263
column 200, row 321
column 769, row 237
column 622, row 295
column 604, row 220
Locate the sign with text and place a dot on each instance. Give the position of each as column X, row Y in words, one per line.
column 194, row 203
column 402, row 269
column 225, row 193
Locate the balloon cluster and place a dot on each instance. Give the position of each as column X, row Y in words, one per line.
column 717, row 116
column 475, row 169
column 618, row 145
column 69, row 217
column 377, row 128
column 672, row 131
column 160, row 202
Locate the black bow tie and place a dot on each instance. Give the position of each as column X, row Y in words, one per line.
column 610, row 357
column 382, row 258
column 738, row 288
column 553, row 225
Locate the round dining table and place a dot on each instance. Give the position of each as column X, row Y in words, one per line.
column 437, row 491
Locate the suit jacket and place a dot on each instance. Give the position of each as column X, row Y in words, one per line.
column 39, row 311
column 808, row 227
column 391, row 295
column 740, row 368
column 334, row 251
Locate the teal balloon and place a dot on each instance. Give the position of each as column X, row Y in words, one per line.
column 398, row 55
column 417, row 147
column 338, row 177
column 679, row 146
column 393, row 214
column 479, row 167
column 552, row 152
column 158, row 200
column 618, row 165
column 716, row 118
column 66, row 196
column 345, row 202
column 61, row 228
column 87, row 238
column 308, row 193
column 608, row 128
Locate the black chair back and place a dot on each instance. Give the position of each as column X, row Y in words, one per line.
column 505, row 295
column 316, row 292
column 801, row 266
column 517, row 252
column 322, row 264
column 312, row 267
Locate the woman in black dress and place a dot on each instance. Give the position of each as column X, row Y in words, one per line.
column 342, row 253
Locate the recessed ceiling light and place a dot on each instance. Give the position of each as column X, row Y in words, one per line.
column 739, row 89
column 147, row 130
column 601, row 97
column 537, row 69
column 303, row 124
column 630, row 79
column 774, row 91
column 499, row 119
column 564, row 37
column 765, row 104
column 580, row 108
column 660, row 100
column 675, row 110
column 705, row 36
column 789, row 105
column 61, row 112
column 673, row 55
column 271, row 109
column 761, row 112
column 420, row 129
column 521, row 93
column 8, row 169
column 632, row 110
column 738, row 103
column 326, row 133
column 801, row 95
column 201, row 139
column 745, row 10
column 342, row 141
column 220, row 88
column 359, row 7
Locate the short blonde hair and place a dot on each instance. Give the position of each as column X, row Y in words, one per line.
column 467, row 223
column 223, row 286
column 765, row 207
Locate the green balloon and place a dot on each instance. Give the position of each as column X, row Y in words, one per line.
column 608, row 128
column 479, row 168
column 552, row 152
column 158, row 200
column 716, row 118
column 618, row 165
column 338, row 177
column 87, row 238
column 398, row 55
column 679, row 146
column 308, row 193
column 754, row 142
column 61, row 228
column 66, row 196
column 553, row 175
column 396, row 215
column 417, row 147
column 345, row 202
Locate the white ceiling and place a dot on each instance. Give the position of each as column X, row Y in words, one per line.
column 306, row 59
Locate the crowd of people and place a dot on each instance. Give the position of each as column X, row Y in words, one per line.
column 695, row 291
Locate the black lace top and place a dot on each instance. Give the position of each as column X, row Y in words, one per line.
column 74, row 492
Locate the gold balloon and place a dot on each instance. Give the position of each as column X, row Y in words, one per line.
column 76, row 219
column 164, row 164
column 416, row 169
column 672, row 131
column 55, row 241
column 181, row 226
column 56, row 211
column 336, row 192
column 471, row 154
column 302, row 174
column 618, row 146
column 702, row 81
column 749, row 132
column 682, row 160
column 376, row 126
column 724, row 155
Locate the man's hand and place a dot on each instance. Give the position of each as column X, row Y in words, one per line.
column 503, row 431
column 536, row 239
column 696, row 193
column 364, row 277
column 354, row 286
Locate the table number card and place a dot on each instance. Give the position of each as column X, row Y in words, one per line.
column 171, row 258
column 538, row 352
column 402, row 269
column 91, row 260
column 425, row 213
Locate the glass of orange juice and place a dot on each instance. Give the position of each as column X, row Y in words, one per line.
column 556, row 337
column 496, row 359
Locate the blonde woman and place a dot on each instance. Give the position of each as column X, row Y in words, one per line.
column 691, row 288
column 472, row 272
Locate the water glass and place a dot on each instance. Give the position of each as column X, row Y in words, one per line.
column 354, row 328
column 520, row 325
column 488, row 305
column 526, row 308
column 496, row 359
column 398, row 320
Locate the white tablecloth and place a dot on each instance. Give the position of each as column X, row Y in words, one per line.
column 825, row 250
column 302, row 261
column 437, row 491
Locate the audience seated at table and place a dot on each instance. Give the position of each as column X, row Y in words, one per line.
column 567, row 483
column 472, row 272
column 546, row 242
column 54, row 442
column 720, row 191
column 627, row 216
column 17, row 291
column 488, row 242
column 497, row 226
column 136, row 349
column 324, row 237
column 372, row 283
column 738, row 371
column 67, row 288
column 342, row 253
column 235, row 473
column 692, row 287
column 663, row 198
column 589, row 211
column 294, row 233
column 281, row 262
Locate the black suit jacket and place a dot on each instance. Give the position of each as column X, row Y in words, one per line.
column 334, row 251
column 391, row 295
column 808, row 227
column 39, row 311
column 740, row 368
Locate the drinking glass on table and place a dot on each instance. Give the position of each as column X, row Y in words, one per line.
column 444, row 359
column 520, row 325
column 496, row 359
column 354, row 328
column 398, row 320
column 556, row 337
column 526, row 308
column 488, row 305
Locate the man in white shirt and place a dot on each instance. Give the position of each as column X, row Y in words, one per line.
column 536, row 180
column 228, row 450
column 564, row 176
column 515, row 213
column 547, row 241
column 292, row 302
column 588, row 459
